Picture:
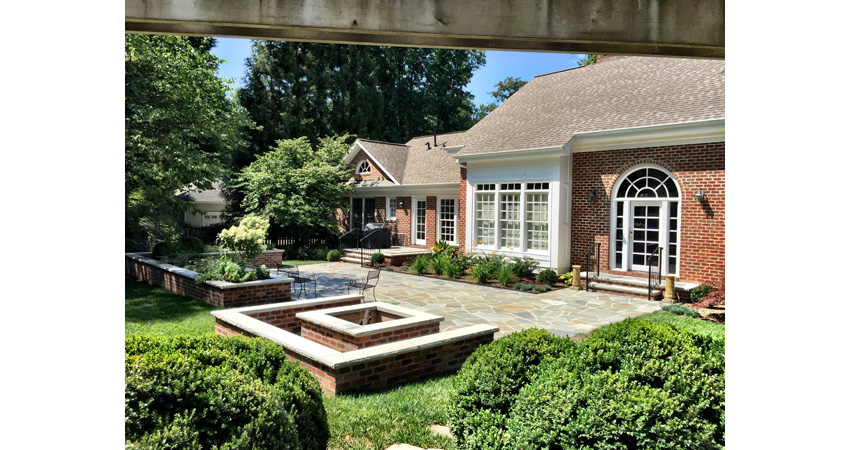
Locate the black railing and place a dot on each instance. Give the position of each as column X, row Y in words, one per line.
column 659, row 251
column 589, row 256
column 371, row 250
column 350, row 239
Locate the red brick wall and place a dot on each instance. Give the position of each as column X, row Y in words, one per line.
column 461, row 210
column 702, row 249
column 225, row 298
column 403, row 218
column 344, row 343
column 430, row 221
column 269, row 258
column 285, row 318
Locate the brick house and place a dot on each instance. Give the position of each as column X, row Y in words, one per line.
column 628, row 153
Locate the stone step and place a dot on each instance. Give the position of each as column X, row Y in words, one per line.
column 354, row 260
column 618, row 279
column 657, row 292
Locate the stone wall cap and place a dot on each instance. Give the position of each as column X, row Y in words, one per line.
column 409, row 317
column 291, row 304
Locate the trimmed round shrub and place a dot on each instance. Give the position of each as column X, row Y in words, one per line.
column 547, row 276
column 378, row 258
column 163, row 249
column 700, row 291
column 131, row 246
column 321, row 253
column 333, row 255
column 228, row 392
column 191, row 244
column 489, row 381
column 630, row 385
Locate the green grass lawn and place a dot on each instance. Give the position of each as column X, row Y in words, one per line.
column 372, row 420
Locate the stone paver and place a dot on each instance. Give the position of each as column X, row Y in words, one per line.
column 564, row 312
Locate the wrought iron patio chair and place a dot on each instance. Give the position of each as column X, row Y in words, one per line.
column 368, row 282
column 298, row 277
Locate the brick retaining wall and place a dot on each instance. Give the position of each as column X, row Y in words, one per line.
column 344, row 343
column 225, row 295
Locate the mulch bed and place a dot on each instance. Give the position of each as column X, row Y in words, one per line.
column 469, row 280
column 716, row 315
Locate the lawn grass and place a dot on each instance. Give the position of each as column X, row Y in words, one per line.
column 153, row 311
column 397, row 415
column 302, row 262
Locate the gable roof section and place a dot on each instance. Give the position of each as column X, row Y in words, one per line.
column 413, row 163
column 616, row 93
column 209, row 196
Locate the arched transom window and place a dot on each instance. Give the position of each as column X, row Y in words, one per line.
column 648, row 183
column 645, row 216
column 364, row 167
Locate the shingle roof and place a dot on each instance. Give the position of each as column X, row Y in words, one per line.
column 618, row 92
column 414, row 163
column 208, row 196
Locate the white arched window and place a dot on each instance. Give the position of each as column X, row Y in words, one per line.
column 645, row 215
column 364, row 167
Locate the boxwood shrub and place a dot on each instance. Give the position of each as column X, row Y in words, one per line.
column 630, row 385
column 219, row 392
column 488, row 382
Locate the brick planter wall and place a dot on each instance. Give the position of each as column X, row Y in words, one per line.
column 224, row 295
column 702, row 249
column 286, row 320
column 343, row 342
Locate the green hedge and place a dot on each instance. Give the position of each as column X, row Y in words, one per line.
column 631, row 385
column 487, row 384
column 219, row 392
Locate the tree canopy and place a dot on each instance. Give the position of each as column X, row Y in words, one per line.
column 295, row 89
column 587, row 60
column 504, row 89
column 181, row 128
column 297, row 184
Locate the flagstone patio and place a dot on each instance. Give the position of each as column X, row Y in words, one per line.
column 563, row 312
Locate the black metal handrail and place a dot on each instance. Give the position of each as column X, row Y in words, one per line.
column 361, row 245
column 587, row 258
column 659, row 251
column 355, row 239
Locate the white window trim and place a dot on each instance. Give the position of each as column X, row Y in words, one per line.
column 360, row 165
column 413, row 214
column 394, row 216
column 627, row 203
column 454, row 219
column 523, row 228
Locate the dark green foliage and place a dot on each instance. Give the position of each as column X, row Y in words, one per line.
column 487, row 266
column 378, row 258
column 680, row 310
column 454, row 268
column 181, row 128
column 489, row 381
column 630, row 385
column 164, row 249
column 438, row 264
column 244, row 394
column 130, row 246
column 223, row 268
column 333, row 255
column 505, row 275
column 295, row 89
column 420, row 264
column 547, row 276
column 700, row 291
column 587, row 60
column 524, row 267
column 535, row 286
column 191, row 244
column 320, row 253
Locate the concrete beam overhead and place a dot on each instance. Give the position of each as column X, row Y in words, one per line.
column 655, row 27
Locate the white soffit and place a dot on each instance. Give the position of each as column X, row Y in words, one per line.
column 650, row 136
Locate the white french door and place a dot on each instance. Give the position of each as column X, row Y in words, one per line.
column 419, row 214
column 646, row 233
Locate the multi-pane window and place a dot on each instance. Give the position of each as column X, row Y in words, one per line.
column 485, row 214
column 364, row 167
column 537, row 219
column 510, row 215
column 391, row 208
column 522, row 208
column 447, row 220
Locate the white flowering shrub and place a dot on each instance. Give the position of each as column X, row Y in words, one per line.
column 247, row 239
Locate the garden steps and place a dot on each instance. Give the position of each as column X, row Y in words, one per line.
column 628, row 285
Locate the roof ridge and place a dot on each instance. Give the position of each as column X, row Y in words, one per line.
column 438, row 134
column 382, row 142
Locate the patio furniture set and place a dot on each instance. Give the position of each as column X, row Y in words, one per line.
column 303, row 279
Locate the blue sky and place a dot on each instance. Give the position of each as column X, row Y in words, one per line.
column 500, row 65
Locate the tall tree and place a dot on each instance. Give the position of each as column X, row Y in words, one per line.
column 295, row 89
column 298, row 185
column 587, row 60
column 181, row 128
column 504, row 89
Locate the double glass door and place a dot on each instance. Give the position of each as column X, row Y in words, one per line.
column 362, row 212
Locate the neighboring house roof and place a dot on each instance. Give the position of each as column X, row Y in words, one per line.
column 413, row 162
column 617, row 92
column 209, row 196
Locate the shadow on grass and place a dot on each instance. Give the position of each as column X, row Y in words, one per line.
column 144, row 303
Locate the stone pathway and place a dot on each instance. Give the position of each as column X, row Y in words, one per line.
column 563, row 312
